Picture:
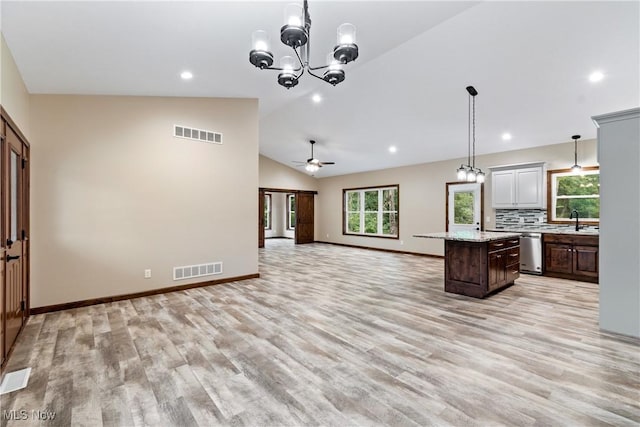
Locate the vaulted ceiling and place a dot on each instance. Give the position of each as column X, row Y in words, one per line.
column 529, row 61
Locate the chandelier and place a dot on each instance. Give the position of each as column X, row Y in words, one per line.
column 469, row 172
column 296, row 33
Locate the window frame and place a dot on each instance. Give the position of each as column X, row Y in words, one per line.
column 268, row 209
column 290, row 196
column 380, row 212
column 551, row 198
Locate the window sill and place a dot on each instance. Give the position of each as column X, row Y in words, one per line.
column 381, row 236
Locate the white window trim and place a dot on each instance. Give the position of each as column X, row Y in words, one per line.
column 267, row 204
column 290, row 225
column 554, row 198
column 380, row 212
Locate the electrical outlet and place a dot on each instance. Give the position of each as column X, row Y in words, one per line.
column 487, row 219
column 147, row 274
column 401, row 242
column 327, row 235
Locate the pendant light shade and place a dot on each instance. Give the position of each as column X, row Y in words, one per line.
column 462, row 173
column 471, row 175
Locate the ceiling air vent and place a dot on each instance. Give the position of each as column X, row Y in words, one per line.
column 197, row 134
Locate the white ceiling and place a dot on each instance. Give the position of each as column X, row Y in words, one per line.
column 529, row 61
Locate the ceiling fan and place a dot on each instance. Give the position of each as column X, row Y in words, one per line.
column 312, row 164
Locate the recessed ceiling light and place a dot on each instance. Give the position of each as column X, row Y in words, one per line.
column 186, row 75
column 596, row 76
column 506, row 136
column 393, row 149
column 316, row 98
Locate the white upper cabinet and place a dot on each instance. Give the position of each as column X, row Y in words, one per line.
column 518, row 186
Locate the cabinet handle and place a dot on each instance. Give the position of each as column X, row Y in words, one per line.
column 515, row 271
column 513, row 255
column 499, row 256
column 514, row 241
column 498, row 244
column 569, row 250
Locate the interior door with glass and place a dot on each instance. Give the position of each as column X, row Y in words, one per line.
column 15, row 298
column 464, row 207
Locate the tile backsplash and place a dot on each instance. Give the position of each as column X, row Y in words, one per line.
column 520, row 217
column 525, row 219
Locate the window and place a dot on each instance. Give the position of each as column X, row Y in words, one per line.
column 568, row 191
column 291, row 211
column 267, row 211
column 371, row 211
column 463, row 204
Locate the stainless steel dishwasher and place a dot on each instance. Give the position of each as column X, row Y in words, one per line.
column 531, row 253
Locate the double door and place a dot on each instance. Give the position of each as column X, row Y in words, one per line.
column 14, row 201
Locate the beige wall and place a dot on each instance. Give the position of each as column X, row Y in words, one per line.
column 277, row 175
column 113, row 193
column 422, row 194
column 14, row 97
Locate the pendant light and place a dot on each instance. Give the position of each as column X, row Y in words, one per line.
column 469, row 172
column 576, row 168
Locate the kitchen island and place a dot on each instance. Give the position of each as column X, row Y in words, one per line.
column 478, row 263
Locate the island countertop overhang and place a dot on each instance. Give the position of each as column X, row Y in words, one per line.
column 469, row 236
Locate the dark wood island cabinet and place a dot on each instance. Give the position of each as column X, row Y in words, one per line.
column 479, row 263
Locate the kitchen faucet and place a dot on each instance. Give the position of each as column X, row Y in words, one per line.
column 575, row 212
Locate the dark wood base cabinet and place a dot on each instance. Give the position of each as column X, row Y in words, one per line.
column 571, row 257
column 477, row 269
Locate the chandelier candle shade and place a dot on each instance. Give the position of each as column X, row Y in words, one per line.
column 576, row 168
column 469, row 172
column 296, row 33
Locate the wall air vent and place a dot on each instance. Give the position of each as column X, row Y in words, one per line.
column 197, row 134
column 199, row 270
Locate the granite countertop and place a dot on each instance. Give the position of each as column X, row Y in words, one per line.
column 568, row 230
column 469, row 236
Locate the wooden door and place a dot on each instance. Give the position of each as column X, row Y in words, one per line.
column 261, row 218
column 2, row 248
column 304, row 218
column 14, row 232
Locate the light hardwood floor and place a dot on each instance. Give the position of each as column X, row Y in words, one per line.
column 333, row 336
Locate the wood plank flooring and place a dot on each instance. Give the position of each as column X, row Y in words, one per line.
column 332, row 336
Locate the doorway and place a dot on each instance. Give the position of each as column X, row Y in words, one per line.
column 14, row 232
column 295, row 208
column 464, row 211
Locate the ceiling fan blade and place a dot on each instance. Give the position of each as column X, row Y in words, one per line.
column 327, row 163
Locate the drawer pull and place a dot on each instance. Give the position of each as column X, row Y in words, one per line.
column 515, row 272
column 514, row 241
column 498, row 244
column 513, row 255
